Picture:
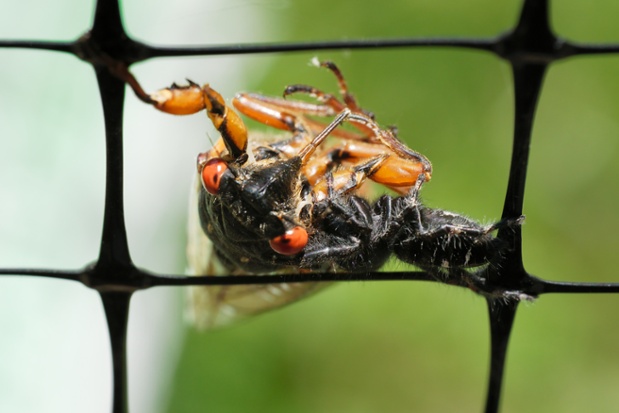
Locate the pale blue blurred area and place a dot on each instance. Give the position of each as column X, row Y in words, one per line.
column 55, row 349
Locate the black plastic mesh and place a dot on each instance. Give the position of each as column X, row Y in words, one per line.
column 529, row 48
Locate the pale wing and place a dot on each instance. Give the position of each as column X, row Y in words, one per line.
column 216, row 306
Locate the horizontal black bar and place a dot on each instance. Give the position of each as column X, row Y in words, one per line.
column 149, row 279
column 155, row 51
column 566, row 48
column 63, row 274
column 173, row 280
column 37, row 44
column 578, row 287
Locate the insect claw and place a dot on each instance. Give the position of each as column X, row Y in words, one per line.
column 393, row 129
column 507, row 223
column 372, row 165
column 291, row 89
column 413, row 193
column 329, row 65
column 288, row 91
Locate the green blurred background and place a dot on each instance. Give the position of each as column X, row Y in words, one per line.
column 356, row 347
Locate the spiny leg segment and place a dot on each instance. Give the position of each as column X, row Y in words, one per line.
column 394, row 165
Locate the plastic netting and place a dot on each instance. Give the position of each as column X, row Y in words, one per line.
column 529, row 49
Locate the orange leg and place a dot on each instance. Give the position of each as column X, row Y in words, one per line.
column 387, row 138
column 396, row 172
column 400, row 168
column 349, row 99
column 190, row 99
column 346, row 180
column 292, row 115
column 326, row 99
column 186, row 100
column 260, row 107
column 287, row 115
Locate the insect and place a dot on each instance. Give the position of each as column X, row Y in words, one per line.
column 275, row 204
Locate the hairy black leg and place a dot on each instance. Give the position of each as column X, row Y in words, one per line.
column 443, row 239
column 352, row 234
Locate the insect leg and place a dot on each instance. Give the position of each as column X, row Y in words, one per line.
column 279, row 113
column 396, row 172
column 185, row 100
column 330, row 101
column 441, row 239
column 344, row 236
column 326, row 99
column 349, row 99
column 346, row 180
column 290, row 116
column 190, row 99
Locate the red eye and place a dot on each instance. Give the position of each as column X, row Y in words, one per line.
column 211, row 174
column 290, row 242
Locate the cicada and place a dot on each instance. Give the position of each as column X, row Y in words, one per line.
column 294, row 200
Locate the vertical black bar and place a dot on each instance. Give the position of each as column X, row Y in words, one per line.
column 107, row 23
column 530, row 48
column 114, row 247
column 114, row 258
column 116, row 306
column 502, row 316
column 528, row 80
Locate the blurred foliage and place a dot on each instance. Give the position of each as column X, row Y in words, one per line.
column 395, row 347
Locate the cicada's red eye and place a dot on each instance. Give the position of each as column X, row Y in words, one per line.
column 211, row 174
column 290, row 242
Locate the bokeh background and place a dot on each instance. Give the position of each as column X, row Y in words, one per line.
column 355, row 347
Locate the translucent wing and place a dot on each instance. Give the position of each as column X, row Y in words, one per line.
column 216, row 306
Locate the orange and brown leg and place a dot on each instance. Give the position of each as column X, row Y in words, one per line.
column 395, row 172
column 190, row 99
column 288, row 115
column 329, row 100
column 400, row 168
column 348, row 98
column 332, row 102
column 417, row 163
column 185, row 100
column 346, row 179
